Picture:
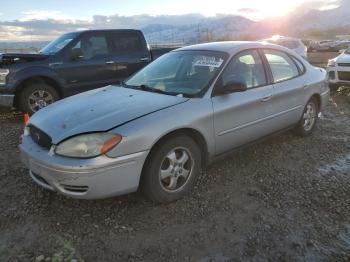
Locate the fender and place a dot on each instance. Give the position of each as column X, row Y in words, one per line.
column 36, row 71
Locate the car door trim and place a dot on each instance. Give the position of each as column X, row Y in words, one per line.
column 258, row 121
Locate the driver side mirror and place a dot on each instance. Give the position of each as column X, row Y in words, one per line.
column 76, row 53
column 235, row 86
column 231, row 86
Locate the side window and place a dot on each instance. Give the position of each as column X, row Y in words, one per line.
column 247, row 68
column 126, row 43
column 282, row 66
column 300, row 65
column 91, row 47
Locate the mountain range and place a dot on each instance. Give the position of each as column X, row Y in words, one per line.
column 303, row 22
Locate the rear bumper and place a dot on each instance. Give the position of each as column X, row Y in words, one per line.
column 95, row 178
column 6, row 100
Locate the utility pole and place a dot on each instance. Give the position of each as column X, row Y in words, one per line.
column 198, row 34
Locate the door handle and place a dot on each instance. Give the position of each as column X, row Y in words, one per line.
column 144, row 59
column 266, row 98
column 110, row 62
column 56, row 64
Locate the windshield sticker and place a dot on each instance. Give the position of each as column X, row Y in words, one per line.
column 208, row 63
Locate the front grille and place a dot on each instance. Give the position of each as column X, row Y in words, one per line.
column 345, row 76
column 40, row 137
column 344, row 64
column 75, row 189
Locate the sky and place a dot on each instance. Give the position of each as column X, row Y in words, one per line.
column 27, row 20
column 86, row 9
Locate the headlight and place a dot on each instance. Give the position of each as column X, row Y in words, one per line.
column 331, row 63
column 88, row 145
column 3, row 75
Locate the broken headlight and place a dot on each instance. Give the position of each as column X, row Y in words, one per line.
column 88, row 145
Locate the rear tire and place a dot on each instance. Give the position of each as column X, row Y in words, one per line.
column 171, row 169
column 308, row 120
column 36, row 96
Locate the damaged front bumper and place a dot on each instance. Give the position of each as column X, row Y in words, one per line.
column 93, row 178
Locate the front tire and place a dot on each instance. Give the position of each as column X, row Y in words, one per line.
column 36, row 96
column 171, row 169
column 308, row 120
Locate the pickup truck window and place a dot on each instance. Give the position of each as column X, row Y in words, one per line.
column 91, row 46
column 126, row 43
column 58, row 44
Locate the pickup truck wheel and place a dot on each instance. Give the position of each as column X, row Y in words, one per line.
column 171, row 170
column 309, row 118
column 36, row 96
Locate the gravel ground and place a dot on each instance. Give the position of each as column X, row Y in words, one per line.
column 285, row 199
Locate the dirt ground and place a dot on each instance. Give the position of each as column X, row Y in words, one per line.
column 285, row 199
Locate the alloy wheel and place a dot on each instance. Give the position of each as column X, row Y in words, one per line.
column 176, row 169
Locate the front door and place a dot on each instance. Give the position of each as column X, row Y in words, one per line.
column 243, row 117
column 86, row 66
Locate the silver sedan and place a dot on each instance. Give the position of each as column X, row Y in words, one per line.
column 157, row 130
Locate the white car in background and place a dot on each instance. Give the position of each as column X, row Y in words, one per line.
column 329, row 45
column 339, row 70
column 292, row 43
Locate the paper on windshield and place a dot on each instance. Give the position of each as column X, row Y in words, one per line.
column 206, row 61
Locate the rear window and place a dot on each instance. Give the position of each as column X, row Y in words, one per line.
column 126, row 43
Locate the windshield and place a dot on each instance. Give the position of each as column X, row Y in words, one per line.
column 347, row 51
column 182, row 72
column 58, row 44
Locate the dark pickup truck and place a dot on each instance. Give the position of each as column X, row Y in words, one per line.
column 73, row 63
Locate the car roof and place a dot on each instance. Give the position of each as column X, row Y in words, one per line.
column 231, row 46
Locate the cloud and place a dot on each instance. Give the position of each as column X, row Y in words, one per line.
column 44, row 15
column 248, row 10
column 320, row 5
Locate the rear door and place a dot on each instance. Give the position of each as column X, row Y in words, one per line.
column 129, row 54
column 88, row 70
column 243, row 117
column 289, row 82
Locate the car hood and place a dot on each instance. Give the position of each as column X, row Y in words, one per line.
column 98, row 110
column 16, row 58
column 343, row 58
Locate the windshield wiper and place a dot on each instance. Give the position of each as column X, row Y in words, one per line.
column 150, row 89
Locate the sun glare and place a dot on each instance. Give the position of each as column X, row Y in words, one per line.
column 272, row 8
